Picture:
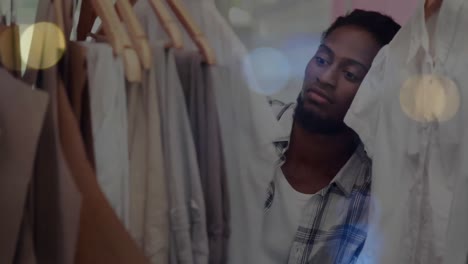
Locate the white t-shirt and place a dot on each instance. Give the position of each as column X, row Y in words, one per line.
column 282, row 222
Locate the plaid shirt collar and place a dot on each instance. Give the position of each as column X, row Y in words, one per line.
column 342, row 181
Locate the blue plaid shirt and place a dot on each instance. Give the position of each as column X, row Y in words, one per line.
column 333, row 227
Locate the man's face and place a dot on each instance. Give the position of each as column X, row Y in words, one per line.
column 332, row 78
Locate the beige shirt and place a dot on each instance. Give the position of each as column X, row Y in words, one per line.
column 149, row 203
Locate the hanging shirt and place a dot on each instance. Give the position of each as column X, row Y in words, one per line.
column 409, row 113
column 189, row 237
column 203, row 114
column 149, row 200
column 109, row 125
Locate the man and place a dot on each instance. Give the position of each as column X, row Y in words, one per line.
column 318, row 202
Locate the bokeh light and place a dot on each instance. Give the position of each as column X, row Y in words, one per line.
column 300, row 49
column 42, row 45
column 270, row 67
column 430, row 97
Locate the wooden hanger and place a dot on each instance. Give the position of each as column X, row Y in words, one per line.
column 117, row 37
column 431, row 7
column 86, row 20
column 136, row 32
column 193, row 30
column 168, row 23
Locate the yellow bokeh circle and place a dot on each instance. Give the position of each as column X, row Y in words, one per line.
column 42, row 45
column 430, row 97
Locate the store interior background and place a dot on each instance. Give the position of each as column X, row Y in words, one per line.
column 280, row 35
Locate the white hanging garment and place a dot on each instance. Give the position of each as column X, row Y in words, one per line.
column 109, row 124
column 411, row 116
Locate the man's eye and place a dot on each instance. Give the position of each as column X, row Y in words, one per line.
column 351, row 77
column 320, row 62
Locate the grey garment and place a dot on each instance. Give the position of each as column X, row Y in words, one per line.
column 109, row 125
column 22, row 112
column 203, row 113
column 189, row 236
column 149, row 203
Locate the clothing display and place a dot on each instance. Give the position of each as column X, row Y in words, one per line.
column 153, row 161
column 247, row 123
column 99, row 236
column 410, row 114
column 182, row 164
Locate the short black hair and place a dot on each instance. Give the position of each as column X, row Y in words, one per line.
column 381, row 26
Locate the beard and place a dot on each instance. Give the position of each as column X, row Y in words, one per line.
column 313, row 123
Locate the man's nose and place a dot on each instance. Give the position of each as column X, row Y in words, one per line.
column 328, row 77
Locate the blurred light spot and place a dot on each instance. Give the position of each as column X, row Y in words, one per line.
column 10, row 48
column 42, row 45
column 239, row 17
column 269, row 70
column 427, row 98
column 300, row 49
